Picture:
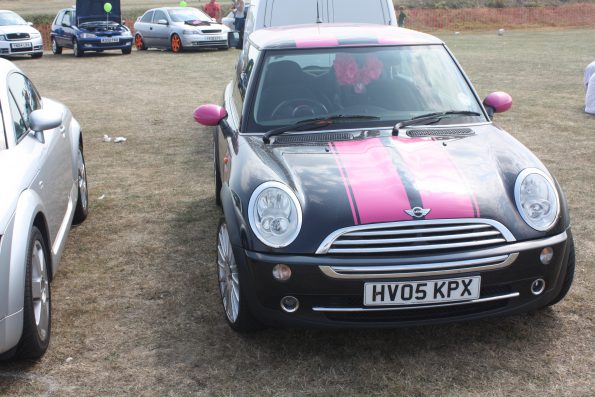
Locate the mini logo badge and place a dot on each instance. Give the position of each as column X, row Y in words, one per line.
column 418, row 212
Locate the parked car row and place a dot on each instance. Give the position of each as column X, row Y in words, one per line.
column 361, row 178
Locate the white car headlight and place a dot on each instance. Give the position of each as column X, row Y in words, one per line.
column 34, row 35
column 536, row 199
column 187, row 32
column 2, row 37
column 87, row 36
column 275, row 214
column 126, row 33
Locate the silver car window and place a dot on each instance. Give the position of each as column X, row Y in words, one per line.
column 147, row 17
column 25, row 96
column 158, row 16
column 20, row 127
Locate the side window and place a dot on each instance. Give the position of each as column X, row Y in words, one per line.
column 147, row 17
column 20, row 128
column 66, row 20
column 158, row 16
column 26, row 100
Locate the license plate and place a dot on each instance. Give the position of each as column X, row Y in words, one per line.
column 110, row 40
column 418, row 292
column 214, row 38
column 20, row 45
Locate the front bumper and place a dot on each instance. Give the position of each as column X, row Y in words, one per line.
column 335, row 298
column 21, row 47
column 96, row 44
column 205, row 40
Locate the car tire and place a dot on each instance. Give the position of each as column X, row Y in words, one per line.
column 568, row 277
column 37, row 55
column 37, row 310
column 176, row 44
column 82, row 204
column 126, row 51
column 139, row 43
column 76, row 49
column 236, row 309
column 56, row 49
column 217, row 175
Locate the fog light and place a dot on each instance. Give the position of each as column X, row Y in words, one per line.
column 538, row 286
column 546, row 255
column 281, row 272
column 290, row 304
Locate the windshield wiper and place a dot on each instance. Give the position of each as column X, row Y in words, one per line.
column 434, row 117
column 312, row 124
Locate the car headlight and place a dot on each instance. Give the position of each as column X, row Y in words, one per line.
column 87, row 36
column 188, row 32
column 2, row 37
column 126, row 33
column 275, row 214
column 536, row 199
column 34, row 35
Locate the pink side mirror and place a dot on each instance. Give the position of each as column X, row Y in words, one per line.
column 498, row 101
column 210, row 115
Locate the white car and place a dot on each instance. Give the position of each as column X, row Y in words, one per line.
column 43, row 190
column 18, row 37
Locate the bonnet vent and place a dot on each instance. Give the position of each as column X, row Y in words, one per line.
column 442, row 132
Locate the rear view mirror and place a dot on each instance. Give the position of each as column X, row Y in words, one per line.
column 41, row 120
column 497, row 102
column 209, row 115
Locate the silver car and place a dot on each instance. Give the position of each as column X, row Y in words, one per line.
column 179, row 28
column 43, row 190
column 18, row 37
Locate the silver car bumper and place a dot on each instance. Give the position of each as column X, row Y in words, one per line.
column 21, row 47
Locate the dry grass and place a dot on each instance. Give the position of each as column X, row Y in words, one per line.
column 135, row 300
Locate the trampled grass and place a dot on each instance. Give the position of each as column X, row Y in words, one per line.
column 136, row 306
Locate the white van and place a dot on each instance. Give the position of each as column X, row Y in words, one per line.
column 268, row 13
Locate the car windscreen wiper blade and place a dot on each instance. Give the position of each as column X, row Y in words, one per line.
column 434, row 117
column 312, row 124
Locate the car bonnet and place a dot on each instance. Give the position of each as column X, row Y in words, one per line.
column 92, row 10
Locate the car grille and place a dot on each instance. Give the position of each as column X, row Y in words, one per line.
column 416, row 237
column 17, row 36
column 211, row 30
column 213, row 43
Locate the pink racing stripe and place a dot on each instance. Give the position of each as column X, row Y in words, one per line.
column 370, row 176
column 441, row 185
column 316, row 42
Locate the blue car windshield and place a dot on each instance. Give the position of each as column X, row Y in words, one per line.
column 8, row 18
column 188, row 14
column 389, row 83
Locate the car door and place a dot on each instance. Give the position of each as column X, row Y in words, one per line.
column 52, row 155
column 161, row 30
column 144, row 25
column 66, row 29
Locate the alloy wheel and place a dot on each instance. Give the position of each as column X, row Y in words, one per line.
column 229, row 281
column 40, row 290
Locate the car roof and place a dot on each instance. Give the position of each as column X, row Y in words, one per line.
column 337, row 35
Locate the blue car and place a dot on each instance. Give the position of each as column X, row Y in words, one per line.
column 88, row 27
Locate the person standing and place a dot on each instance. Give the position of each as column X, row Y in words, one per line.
column 239, row 18
column 402, row 16
column 213, row 9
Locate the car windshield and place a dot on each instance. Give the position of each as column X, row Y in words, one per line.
column 390, row 83
column 188, row 14
column 10, row 18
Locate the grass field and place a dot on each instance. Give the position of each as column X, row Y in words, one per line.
column 136, row 307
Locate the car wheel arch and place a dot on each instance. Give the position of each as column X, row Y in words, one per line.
column 29, row 212
column 236, row 224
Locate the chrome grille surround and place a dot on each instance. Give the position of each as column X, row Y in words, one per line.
column 423, row 248
column 417, row 237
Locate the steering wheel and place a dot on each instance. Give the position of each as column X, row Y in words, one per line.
column 298, row 107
